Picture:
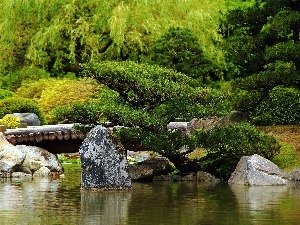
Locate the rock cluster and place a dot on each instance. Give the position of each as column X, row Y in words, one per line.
column 26, row 161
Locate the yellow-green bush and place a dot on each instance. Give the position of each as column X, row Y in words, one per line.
column 61, row 92
column 10, row 121
column 33, row 90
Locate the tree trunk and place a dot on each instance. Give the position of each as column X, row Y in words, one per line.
column 183, row 164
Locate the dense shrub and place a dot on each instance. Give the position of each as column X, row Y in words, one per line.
column 65, row 91
column 164, row 142
column 136, row 93
column 130, row 137
column 10, row 121
column 34, row 89
column 226, row 145
column 6, row 94
column 150, row 96
column 79, row 112
column 27, row 74
column 282, row 106
column 19, row 105
column 171, row 144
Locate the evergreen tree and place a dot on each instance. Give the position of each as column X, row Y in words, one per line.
column 263, row 43
column 146, row 98
column 179, row 49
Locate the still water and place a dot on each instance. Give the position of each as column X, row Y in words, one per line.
column 44, row 201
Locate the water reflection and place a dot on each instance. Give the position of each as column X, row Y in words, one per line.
column 39, row 201
column 108, row 207
column 268, row 204
column 258, row 197
column 23, row 201
column 25, row 192
column 46, row 201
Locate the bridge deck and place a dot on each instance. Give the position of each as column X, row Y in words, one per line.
column 61, row 138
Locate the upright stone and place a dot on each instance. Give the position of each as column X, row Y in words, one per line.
column 103, row 161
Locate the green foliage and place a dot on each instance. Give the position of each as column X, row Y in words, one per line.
column 10, row 121
column 68, row 159
column 136, row 90
column 165, row 142
column 148, row 96
column 13, row 80
column 6, row 94
column 19, row 105
column 130, row 136
column 169, row 143
column 60, row 92
column 88, row 112
column 281, row 106
column 226, row 145
column 179, row 49
column 263, row 43
column 58, row 35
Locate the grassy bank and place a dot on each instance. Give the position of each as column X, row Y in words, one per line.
column 289, row 138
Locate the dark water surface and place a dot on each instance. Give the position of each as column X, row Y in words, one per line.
column 44, row 201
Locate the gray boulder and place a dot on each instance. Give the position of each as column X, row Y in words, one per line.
column 257, row 171
column 10, row 159
column 177, row 126
column 206, row 177
column 42, row 172
column 295, row 174
column 30, row 118
column 146, row 170
column 103, row 161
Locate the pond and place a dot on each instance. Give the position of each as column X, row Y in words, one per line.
column 45, row 201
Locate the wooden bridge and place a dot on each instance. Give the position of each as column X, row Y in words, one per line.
column 61, row 138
